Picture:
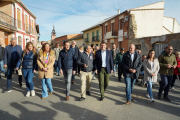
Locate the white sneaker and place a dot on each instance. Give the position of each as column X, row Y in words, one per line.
column 152, row 100
column 94, row 78
column 32, row 93
column 173, row 88
column 28, row 94
column 114, row 74
column 147, row 95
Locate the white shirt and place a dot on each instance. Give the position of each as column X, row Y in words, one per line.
column 132, row 56
column 103, row 58
column 152, row 65
column 87, row 54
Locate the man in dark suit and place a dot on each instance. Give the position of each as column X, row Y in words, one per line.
column 103, row 66
column 131, row 67
column 11, row 56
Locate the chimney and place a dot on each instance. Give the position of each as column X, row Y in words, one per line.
column 118, row 11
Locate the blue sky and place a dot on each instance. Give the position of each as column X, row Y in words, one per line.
column 73, row 16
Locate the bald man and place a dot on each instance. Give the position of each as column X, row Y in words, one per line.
column 168, row 63
column 132, row 64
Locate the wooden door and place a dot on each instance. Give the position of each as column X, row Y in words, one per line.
column 6, row 39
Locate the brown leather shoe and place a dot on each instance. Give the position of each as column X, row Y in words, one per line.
column 50, row 93
column 132, row 99
column 67, row 97
column 43, row 98
column 128, row 103
column 72, row 82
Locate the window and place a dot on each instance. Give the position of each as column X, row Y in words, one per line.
column 32, row 24
column 97, row 34
column 18, row 18
column 87, row 36
column 120, row 24
column 138, row 47
column 112, row 26
column 26, row 23
column 105, row 29
column 92, row 34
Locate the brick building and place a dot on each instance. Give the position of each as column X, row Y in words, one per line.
column 140, row 22
column 157, row 43
column 61, row 39
column 16, row 20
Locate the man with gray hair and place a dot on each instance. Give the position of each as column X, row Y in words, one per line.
column 11, row 56
column 85, row 61
column 131, row 63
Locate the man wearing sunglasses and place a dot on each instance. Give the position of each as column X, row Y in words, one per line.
column 167, row 63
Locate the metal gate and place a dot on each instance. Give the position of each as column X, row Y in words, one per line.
column 158, row 48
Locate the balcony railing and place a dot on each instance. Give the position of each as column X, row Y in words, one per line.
column 7, row 20
column 95, row 38
column 29, row 29
column 114, row 33
column 86, row 39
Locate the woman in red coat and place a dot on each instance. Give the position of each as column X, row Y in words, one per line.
column 176, row 70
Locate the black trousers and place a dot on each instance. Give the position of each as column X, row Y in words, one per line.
column 120, row 70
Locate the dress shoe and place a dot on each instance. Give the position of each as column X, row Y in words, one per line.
column 101, row 99
column 119, row 79
column 72, row 82
column 88, row 93
column 128, row 103
column 159, row 95
column 20, row 85
column 81, row 99
column 43, row 98
column 67, row 97
column 167, row 98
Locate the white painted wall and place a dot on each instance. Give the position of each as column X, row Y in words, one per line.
column 168, row 23
column 171, row 24
column 176, row 26
column 149, row 22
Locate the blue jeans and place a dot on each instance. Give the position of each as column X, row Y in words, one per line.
column 68, row 76
column 129, row 87
column 149, row 88
column 10, row 69
column 56, row 67
column 1, row 67
column 73, row 77
column 94, row 74
column 46, row 82
column 165, row 84
column 115, row 67
column 28, row 76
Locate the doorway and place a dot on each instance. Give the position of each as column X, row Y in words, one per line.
column 6, row 39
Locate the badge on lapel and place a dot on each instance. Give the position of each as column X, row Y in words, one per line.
column 90, row 57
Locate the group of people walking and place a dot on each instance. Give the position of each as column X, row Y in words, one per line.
column 91, row 61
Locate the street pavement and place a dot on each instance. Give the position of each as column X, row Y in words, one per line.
column 15, row 106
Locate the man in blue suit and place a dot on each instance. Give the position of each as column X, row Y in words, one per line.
column 11, row 56
column 103, row 67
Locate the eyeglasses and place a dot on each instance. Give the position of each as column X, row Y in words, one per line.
column 170, row 49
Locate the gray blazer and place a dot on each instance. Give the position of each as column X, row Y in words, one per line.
column 148, row 72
